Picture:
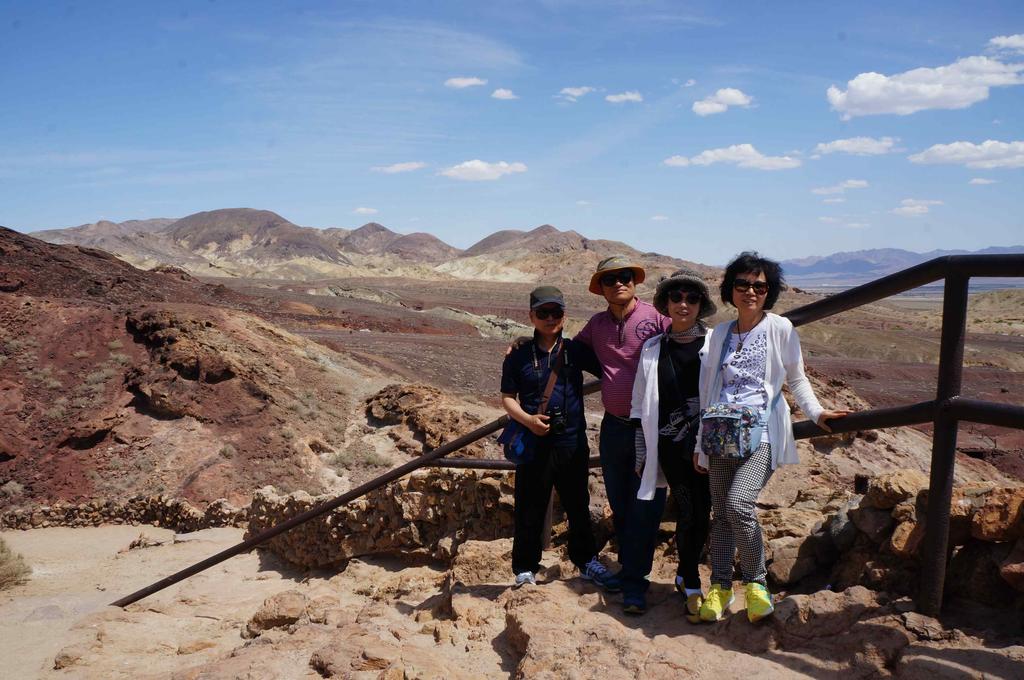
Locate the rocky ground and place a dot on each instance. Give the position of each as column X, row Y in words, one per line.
column 385, row 618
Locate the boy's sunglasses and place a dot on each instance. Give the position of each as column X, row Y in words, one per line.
column 678, row 296
column 624, row 277
column 543, row 314
column 743, row 285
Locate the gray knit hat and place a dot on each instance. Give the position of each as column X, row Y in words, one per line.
column 684, row 278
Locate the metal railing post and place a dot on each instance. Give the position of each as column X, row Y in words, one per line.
column 940, row 488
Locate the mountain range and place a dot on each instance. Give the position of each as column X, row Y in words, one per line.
column 853, row 267
column 244, row 242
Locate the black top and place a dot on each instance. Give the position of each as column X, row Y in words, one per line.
column 678, row 394
column 525, row 371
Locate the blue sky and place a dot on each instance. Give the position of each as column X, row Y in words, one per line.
column 693, row 129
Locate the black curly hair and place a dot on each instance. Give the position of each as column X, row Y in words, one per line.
column 751, row 261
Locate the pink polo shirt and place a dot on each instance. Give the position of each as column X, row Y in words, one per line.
column 617, row 345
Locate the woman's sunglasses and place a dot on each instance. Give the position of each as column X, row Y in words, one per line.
column 624, row 277
column 678, row 296
column 543, row 314
column 743, row 285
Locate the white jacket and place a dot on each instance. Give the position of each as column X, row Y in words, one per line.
column 784, row 364
column 646, row 408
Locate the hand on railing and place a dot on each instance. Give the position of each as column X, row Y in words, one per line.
column 829, row 415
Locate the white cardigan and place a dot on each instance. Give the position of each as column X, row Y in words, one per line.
column 784, row 364
column 646, row 408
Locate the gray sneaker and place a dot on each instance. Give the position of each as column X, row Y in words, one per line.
column 525, row 578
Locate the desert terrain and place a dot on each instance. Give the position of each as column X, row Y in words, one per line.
column 264, row 365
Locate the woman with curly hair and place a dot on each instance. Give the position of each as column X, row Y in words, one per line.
column 744, row 365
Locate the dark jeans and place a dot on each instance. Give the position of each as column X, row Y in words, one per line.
column 692, row 493
column 565, row 469
column 693, row 500
column 641, row 535
column 617, row 450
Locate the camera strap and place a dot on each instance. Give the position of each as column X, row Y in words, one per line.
column 552, row 378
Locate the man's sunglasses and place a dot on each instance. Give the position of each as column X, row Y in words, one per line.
column 543, row 314
column 678, row 296
column 743, row 285
column 624, row 277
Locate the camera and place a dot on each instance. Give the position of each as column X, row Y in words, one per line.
column 556, row 421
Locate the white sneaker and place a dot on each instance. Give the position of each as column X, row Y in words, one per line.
column 524, row 578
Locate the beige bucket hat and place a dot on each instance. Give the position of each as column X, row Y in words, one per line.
column 614, row 264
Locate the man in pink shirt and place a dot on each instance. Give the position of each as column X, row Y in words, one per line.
column 617, row 336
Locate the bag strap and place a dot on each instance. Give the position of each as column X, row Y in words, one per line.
column 716, row 384
column 552, row 378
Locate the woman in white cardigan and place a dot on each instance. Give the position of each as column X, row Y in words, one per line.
column 666, row 405
column 746, row 362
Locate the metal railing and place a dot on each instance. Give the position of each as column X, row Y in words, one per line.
column 945, row 412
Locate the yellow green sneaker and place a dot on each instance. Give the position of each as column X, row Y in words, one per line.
column 714, row 605
column 693, row 605
column 759, row 602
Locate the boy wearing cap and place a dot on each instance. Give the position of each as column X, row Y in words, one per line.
column 561, row 453
column 617, row 335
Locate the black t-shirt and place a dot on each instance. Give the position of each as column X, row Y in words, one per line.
column 678, row 396
column 525, row 371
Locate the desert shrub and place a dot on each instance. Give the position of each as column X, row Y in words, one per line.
column 13, row 569
column 79, row 354
column 228, row 451
column 115, row 344
column 100, row 376
column 55, row 412
column 119, row 358
column 11, row 489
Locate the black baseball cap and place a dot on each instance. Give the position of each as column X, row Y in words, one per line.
column 545, row 295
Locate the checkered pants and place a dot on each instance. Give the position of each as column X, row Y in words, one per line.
column 735, row 485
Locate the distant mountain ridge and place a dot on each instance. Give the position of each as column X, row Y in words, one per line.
column 853, row 267
column 260, row 243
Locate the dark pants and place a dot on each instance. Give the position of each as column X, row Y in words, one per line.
column 693, row 500
column 565, row 469
column 618, row 453
column 692, row 495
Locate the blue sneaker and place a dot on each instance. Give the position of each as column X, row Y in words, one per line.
column 596, row 572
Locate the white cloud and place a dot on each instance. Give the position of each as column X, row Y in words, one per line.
column 858, row 146
column 659, row 218
column 502, row 93
column 571, row 94
column 989, row 154
column 841, row 187
column 479, row 171
column 690, row 83
column 742, row 155
column 365, row 211
column 828, row 220
column 630, row 96
column 396, row 168
column 463, row 82
column 582, row 202
column 982, row 180
column 913, row 207
column 721, row 100
column 956, row 86
column 834, row 200
column 1009, row 43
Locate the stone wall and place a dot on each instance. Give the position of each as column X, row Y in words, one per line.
column 172, row 513
column 427, row 513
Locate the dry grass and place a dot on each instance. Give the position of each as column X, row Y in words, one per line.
column 13, row 569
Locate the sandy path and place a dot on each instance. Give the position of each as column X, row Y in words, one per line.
column 78, row 572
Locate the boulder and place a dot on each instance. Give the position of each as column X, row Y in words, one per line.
column 906, row 539
column 889, row 490
column 1011, row 569
column 277, row 611
column 792, row 521
column 1001, row 517
column 792, row 559
column 871, row 521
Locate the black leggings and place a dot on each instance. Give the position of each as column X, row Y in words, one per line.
column 692, row 494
